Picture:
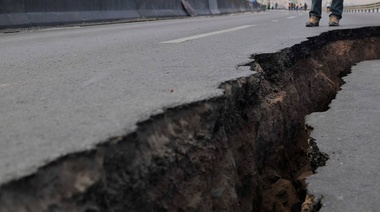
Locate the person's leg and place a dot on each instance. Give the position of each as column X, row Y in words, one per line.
column 337, row 8
column 315, row 13
column 316, row 8
column 336, row 12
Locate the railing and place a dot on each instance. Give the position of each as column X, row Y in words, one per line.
column 367, row 8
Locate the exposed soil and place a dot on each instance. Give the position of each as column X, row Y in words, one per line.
column 246, row 151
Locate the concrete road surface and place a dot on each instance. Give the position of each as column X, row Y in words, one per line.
column 349, row 133
column 64, row 90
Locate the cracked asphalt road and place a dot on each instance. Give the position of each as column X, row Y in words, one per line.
column 65, row 90
column 349, row 133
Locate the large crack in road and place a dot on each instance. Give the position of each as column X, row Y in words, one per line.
column 248, row 150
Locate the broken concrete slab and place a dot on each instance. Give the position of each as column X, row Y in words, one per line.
column 349, row 133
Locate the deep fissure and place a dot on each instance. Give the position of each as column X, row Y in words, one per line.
column 248, row 150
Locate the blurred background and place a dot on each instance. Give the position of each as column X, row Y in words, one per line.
column 283, row 3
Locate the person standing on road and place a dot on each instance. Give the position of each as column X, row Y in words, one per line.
column 315, row 13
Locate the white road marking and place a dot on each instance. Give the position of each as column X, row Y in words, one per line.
column 207, row 34
column 4, row 85
column 274, row 20
column 291, row 17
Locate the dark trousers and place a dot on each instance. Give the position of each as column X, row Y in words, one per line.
column 336, row 8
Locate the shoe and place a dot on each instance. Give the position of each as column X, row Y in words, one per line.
column 334, row 21
column 313, row 22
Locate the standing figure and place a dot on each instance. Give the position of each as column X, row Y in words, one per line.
column 315, row 13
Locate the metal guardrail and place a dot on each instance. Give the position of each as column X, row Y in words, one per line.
column 374, row 8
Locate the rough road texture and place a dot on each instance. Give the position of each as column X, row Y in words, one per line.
column 247, row 151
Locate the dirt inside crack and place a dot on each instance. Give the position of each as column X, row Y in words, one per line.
column 248, row 150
